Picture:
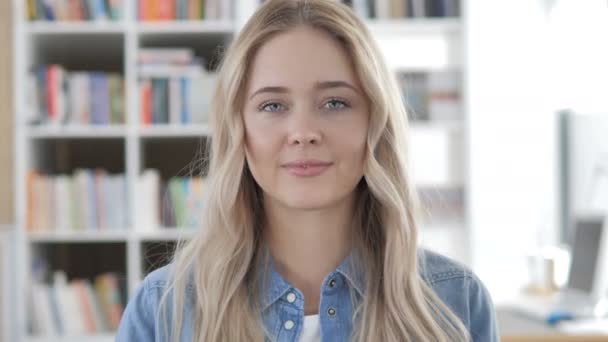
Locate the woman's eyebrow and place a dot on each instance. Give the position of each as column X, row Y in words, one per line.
column 280, row 90
column 321, row 85
column 335, row 84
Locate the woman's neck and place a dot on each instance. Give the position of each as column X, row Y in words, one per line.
column 306, row 245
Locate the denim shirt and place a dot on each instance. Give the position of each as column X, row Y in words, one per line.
column 283, row 304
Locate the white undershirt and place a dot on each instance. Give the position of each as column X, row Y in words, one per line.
column 311, row 331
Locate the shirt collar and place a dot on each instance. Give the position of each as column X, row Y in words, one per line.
column 273, row 286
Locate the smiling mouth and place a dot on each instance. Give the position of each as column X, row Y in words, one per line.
column 307, row 168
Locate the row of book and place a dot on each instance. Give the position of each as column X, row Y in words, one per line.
column 432, row 96
column 60, row 97
column 174, row 87
column 77, row 307
column 74, row 10
column 177, row 202
column 165, row 10
column 159, row 10
column 87, row 200
column 387, row 9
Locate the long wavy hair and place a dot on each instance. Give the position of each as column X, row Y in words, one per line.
column 219, row 265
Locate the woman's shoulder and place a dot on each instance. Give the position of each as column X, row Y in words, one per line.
column 161, row 278
column 461, row 290
column 436, row 267
column 447, row 276
column 140, row 319
column 158, row 278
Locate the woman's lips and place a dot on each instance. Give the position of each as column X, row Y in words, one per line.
column 307, row 168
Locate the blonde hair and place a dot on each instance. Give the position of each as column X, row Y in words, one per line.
column 398, row 305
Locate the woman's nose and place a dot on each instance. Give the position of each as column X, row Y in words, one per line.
column 304, row 139
column 304, row 130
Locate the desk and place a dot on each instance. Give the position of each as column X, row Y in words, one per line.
column 516, row 328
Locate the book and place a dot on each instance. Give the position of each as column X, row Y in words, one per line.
column 174, row 87
column 144, row 10
column 108, row 292
column 145, row 90
column 415, row 95
column 76, row 307
column 149, row 187
column 176, row 202
column 175, row 99
column 226, row 10
column 100, row 193
column 398, row 9
column 74, row 10
column 165, row 9
column 194, row 9
column 443, row 89
column 61, row 9
column 176, row 193
column 115, row 9
column 165, row 56
column 40, row 311
column 199, row 98
column 382, row 9
column 86, row 200
column 63, row 210
column 32, row 10
column 418, row 8
column 116, row 99
column 48, row 9
column 160, row 101
column 85, row 304
column 66, row 306
column 52, row 93
column 181, row 10
column 61, row 97
column 185, row 116
column 100, row 113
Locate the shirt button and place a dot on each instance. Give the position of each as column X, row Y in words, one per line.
column 291, row 297
column 331, row 311
column 332, row 283
column 289, row 325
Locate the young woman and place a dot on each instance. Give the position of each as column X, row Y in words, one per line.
column 309, row 229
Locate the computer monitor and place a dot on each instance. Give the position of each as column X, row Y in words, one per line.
column 588, row 266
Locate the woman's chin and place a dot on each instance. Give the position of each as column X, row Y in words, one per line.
column 307, row 203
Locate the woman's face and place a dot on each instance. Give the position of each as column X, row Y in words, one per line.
column 306, row 120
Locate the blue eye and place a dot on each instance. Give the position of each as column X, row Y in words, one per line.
column 272, row 107
column 336, row 104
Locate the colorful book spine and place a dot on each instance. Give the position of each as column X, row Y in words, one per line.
column 76, row 202
column 76, row 308
column 81, row 98
column 163, row 10
column 74, row 10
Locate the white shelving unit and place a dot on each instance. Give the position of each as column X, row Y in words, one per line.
column 88, row 338
column 38, row 43
column 6, row 281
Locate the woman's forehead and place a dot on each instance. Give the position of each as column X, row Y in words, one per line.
column 300, row 57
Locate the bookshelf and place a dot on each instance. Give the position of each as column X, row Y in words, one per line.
column 129, row 148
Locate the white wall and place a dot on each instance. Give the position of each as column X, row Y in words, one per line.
column 512, row 146
column 577, row 42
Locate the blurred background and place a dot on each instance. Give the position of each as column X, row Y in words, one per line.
column 104, row 116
